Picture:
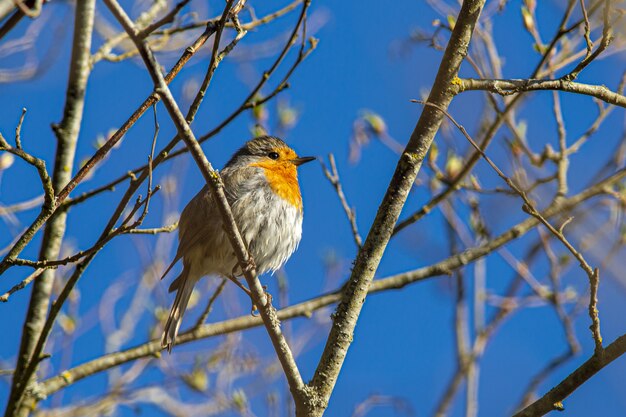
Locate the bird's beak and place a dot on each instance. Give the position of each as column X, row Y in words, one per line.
column 302, row 160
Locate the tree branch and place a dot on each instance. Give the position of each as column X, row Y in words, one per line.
column 306, row 308
column 368, row 259
column 267, row 311
column 67, row 137
column 62, row 195
column 508, row 87
column 137, row 181
column 333, row 177
column 528, row 207
column 501, row 117
column 553, row 399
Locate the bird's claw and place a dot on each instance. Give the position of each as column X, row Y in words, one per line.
column 249, row 266
column 268, row 296
column 268, row 301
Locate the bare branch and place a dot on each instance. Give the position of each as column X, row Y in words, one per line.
column 67, row 136
column 38, row 164
column 607, row 37
column 165, row 229
column 553, row 400
column 368, row 259
column 501, row 117
column 587, row 28
column 101, row 153
column 594, row 281
column 5, row 297
column 507, row 87
column 209, row 306
column 168, row 18
column 268, row 313
column 110, row 227
column 306, row 308
column 333, row 177
column 18, row 130
column 529, row 208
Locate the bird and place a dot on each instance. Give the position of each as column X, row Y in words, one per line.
column 262, row 189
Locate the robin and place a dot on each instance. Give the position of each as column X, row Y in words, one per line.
column 261, row 185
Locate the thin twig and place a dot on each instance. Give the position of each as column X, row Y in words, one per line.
column 333, row 177
column 501, row 117
column 529, row 208
column 5, row 297
column 125, row 228
column 407, row 168
column 209, row 306
column 268, row 313
column 306, row 308
column 44, row 177
column 153, row 231
column 26, row 237
column 66, row 132
column 168, row 18
column 18, row 130
column 562, row 156
column 607, row 37
column 594, row 281
column 587, row 28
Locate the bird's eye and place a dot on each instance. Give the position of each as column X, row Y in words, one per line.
column 273, row 155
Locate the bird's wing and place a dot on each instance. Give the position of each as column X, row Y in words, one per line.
column 198, row 219
column 193, row 224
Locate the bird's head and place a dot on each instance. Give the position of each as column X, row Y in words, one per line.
column 278, row 162
column 267, row 152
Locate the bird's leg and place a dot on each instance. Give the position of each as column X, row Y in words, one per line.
column 239, row 284
column 249, row 266
column 234, row 279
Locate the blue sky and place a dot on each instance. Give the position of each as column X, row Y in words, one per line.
column 404, row 342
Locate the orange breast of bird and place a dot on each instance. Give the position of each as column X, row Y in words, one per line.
column 283, row 180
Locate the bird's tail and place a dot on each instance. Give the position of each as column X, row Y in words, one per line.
column 184, row 288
